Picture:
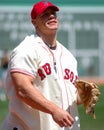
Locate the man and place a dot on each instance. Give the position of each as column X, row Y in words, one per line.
column 41, row 76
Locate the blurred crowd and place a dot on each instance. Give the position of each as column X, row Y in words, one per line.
column 3, row 72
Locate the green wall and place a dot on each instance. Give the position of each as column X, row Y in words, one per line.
column 58, row 2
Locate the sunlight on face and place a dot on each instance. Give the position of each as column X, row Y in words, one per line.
column 47, row 21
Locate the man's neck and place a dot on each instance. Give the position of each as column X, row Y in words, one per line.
column 49, row 40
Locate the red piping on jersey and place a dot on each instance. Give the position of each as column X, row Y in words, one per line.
column 21, row 71
column 47, row 49
column 63, row 76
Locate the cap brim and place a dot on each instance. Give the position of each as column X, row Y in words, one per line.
column 51, row 6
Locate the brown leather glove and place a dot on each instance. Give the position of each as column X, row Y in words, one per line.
column 89, row 94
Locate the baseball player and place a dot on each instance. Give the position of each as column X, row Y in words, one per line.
column 40, row 80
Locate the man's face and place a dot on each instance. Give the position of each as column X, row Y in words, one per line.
column 47, row 21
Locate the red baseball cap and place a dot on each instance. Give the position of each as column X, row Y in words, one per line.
column 40, row 7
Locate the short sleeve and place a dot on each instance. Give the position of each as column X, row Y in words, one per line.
column 24, row 61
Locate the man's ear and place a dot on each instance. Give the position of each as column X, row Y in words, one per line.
column 33, row 22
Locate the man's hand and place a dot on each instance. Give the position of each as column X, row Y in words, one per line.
column 62, row 117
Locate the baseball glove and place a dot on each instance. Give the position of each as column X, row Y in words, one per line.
column 89, row 94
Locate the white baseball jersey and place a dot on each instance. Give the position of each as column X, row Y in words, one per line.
column 54, row 71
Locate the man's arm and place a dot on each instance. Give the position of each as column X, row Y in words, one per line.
column 29, row 94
